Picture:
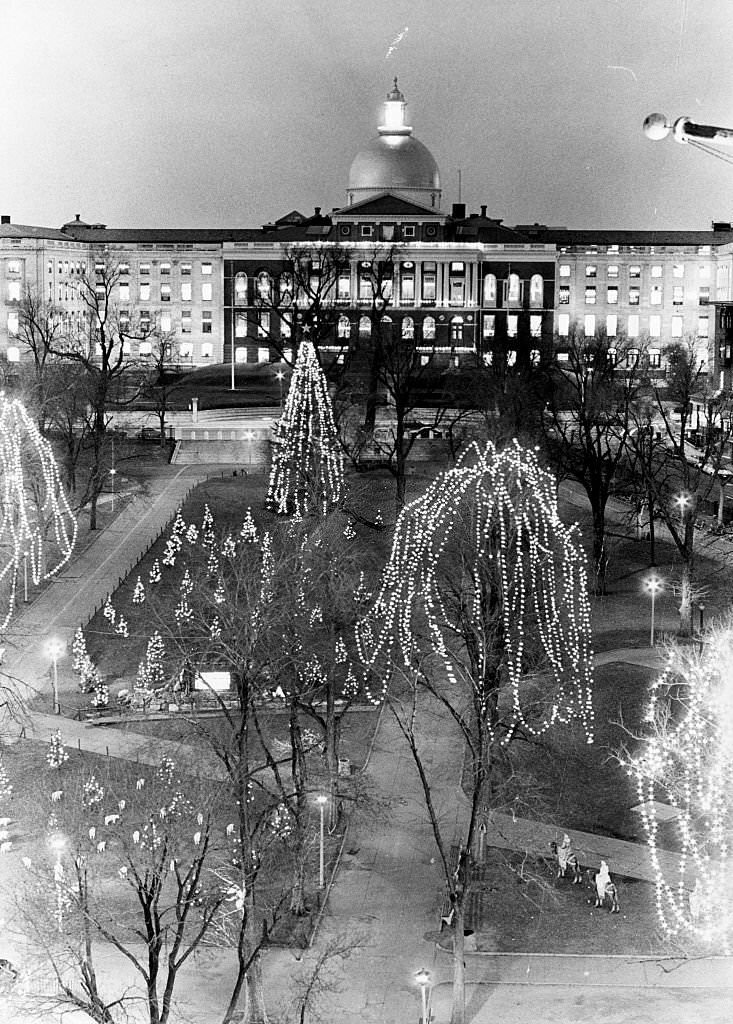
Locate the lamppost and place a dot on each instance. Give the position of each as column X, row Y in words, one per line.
column 112, row 474
column 55, row 648
column 423, row 979
column 58, row 844
column 702, row 613
column 652, row 585
column 322, row 801
column 280, row 376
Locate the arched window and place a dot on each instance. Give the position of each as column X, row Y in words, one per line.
column 365, row 327
column 456, row 329
column 428, row 328
column 536, row 291
column 408, row 328
column 264, row 286
column 386, row 327
column 240, row 289
column 344, row 327
column 513, row 287
column 286, row 289
column 490, row 290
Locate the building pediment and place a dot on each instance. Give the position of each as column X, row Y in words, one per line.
column 386, row 204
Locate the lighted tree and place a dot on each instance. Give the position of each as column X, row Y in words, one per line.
column 307, row 472
column 685, row 761
column 37, row 526
column 483, row 609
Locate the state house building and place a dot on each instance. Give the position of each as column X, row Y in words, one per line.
column 461, row 284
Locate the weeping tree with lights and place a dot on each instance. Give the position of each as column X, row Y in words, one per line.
column 307, row 472
column 685, row 759
column 37, row 526
column 483, row 609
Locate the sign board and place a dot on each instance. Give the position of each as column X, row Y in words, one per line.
column 213, row 681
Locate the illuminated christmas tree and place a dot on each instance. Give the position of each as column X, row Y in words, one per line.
column 37, row 526
column 685, row 763
column 307, row 472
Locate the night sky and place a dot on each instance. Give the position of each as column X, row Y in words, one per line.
column 173, row 113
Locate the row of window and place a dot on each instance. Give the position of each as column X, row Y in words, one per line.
column 79, row 267
column 145, row 321
column 634, row 295
column 634, row 270
column 633, row 326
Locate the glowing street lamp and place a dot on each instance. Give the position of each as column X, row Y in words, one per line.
column 112, row 473
column 55, row 649
column 58, row 845
column 280, row 377
column 683, row 502
column 652, row 586
column 423, row 979
column 322, row 801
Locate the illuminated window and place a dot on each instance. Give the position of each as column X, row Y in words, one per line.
column 655, row 295
column 678, row 270
column 534, row 356
column 407, row 283
column 456, row 329
column 240, row 354
column 13, row 354
column 513, row 290
column 146, row 349
column 365, row 286
column 387, row 232
column 535, row 325
column 123, row 269
column 490, row 290
column 206, row 291
column 343, row 286
column 536, row 290
column 590, row 295
column 344, row 327
column 144, row 268
column 678, row 295
column 144, row 291
column 589, row 325
column 612, row 294
column 207, row 350
column 408, row 328
column 489, row 325
column 240, row 289
column 655, row 357
column 165, row 293
column 263, row 325
column 634, row 271
column 264, row 286
column 633, row 296
column 703, row 327
column 124, row 292
column 562, row 357
column 564, row 294
column 285, row 327
column 457, row 286
column 655, row 326
column 511, row 356
column 591, row 270
column 50, row 266
column 165, row 321
column 13, row 322
column 703, row 271
column 428, row 282
column 165, row 268
column 704, row 297
column 612, row 270
column 206, row 322
column 676, row 326
column 365, row 327
column 185, row 350
column 563, row 325
column 13, row 291
column 240, row 325
column 185, row 269
column 612, row 356
column 656, row 270
column 428, row 328
column 205, row 268
column 185, row 291
column 632, row 326
column 611, row 325
column 564, row 270
column 263, row 355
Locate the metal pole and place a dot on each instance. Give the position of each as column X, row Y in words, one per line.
column 322, row 873
column 233, row 343
column 25, row 577
column 651, row 641
column 56, row 705
column 424, row 991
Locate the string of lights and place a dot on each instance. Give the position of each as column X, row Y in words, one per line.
column 307, row 470
column 520, row 550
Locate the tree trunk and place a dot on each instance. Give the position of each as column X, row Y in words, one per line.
column 297, row 891
column 332, row 746
column 458, row 1006
column 685, row 627
column 652, row 533
column 254, row 1011
column 600, row 558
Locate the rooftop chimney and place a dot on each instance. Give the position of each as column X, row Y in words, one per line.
column 318, row 211
column 5, row 218
column 483, row 211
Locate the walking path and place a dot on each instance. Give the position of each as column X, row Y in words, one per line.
column 388, row 890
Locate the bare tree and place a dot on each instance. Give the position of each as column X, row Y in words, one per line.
column 588, row 421
column 161, row 380
column 40, row 327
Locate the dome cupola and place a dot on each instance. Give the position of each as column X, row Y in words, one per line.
column 395, row 161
